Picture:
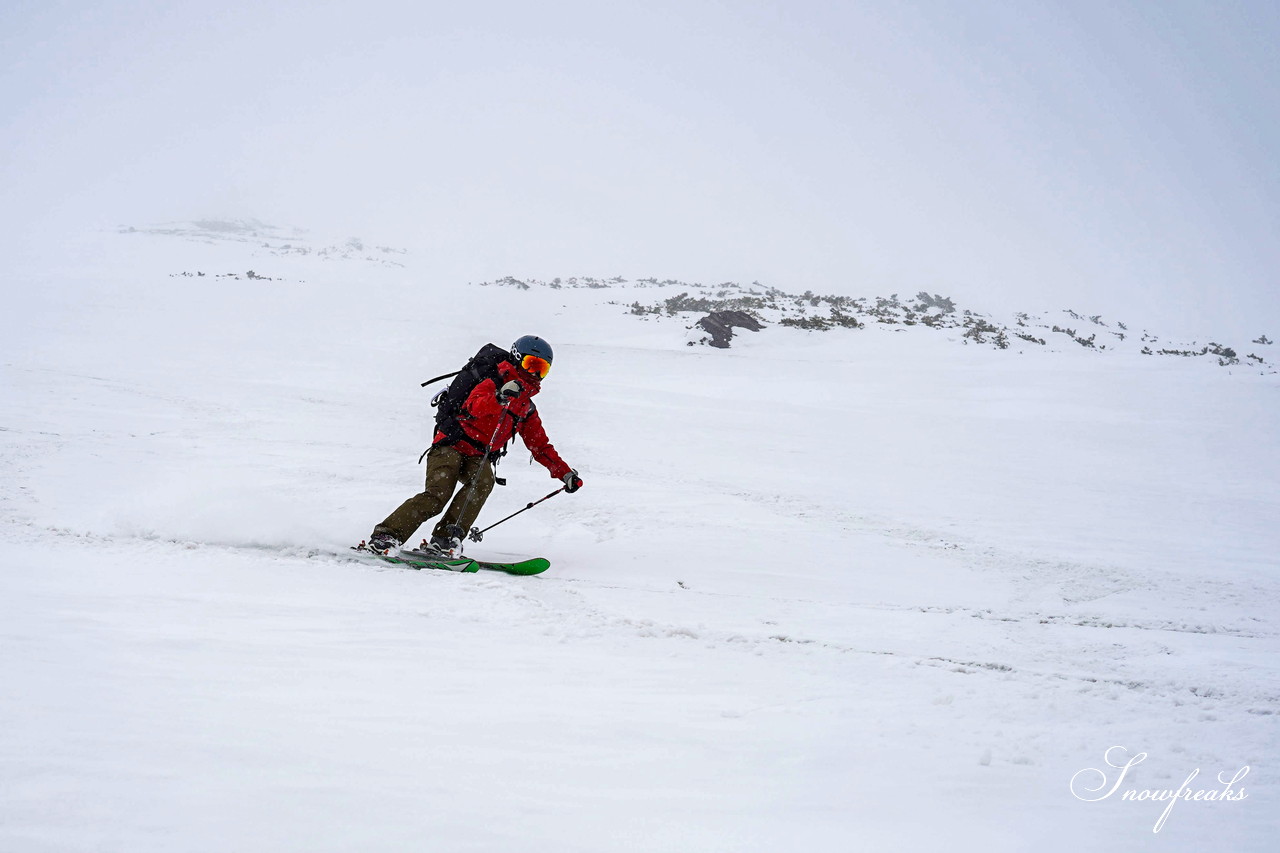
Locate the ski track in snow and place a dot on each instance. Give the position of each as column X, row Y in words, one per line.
column 569, row 607
column 542, row 609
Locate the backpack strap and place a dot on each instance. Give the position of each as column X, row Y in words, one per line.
column 454, row 434
column 438, row 378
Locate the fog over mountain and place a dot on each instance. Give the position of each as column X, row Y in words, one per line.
column 918, row 358
column 1037, row 157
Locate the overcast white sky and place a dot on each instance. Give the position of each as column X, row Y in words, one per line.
column 1102, row 155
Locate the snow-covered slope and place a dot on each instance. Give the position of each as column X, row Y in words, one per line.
column 855, row 589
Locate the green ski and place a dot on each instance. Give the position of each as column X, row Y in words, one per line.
column 534, row 566
column 420, row 560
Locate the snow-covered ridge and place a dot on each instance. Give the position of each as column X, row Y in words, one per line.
column 271, row 240
column 764, row 305
column 1066, row 329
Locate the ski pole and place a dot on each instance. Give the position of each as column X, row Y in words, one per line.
column 477, row 534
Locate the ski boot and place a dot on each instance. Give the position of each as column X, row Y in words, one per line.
column 444, row 547
column 380, row 543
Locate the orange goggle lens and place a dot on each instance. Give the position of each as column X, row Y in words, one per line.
column 539, row 367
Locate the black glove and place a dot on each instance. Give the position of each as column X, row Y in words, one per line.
column 572, row 482
column 510, row 390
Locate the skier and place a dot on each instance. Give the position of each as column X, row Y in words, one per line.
column 466, row 446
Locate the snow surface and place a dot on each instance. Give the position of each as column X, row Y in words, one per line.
column 848, row 590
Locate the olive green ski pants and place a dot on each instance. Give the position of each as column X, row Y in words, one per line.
column 446, row 467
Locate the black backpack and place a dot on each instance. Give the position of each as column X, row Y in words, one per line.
column 448, row 403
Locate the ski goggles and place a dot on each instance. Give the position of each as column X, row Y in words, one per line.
column 536, row 365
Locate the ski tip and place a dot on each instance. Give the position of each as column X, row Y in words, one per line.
column 534, row 566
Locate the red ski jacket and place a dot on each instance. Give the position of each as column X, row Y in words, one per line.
column 486, row 421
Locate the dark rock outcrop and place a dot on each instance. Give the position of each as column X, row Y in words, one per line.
column 720, row 325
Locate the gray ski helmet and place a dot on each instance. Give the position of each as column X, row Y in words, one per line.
column 531, row 345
